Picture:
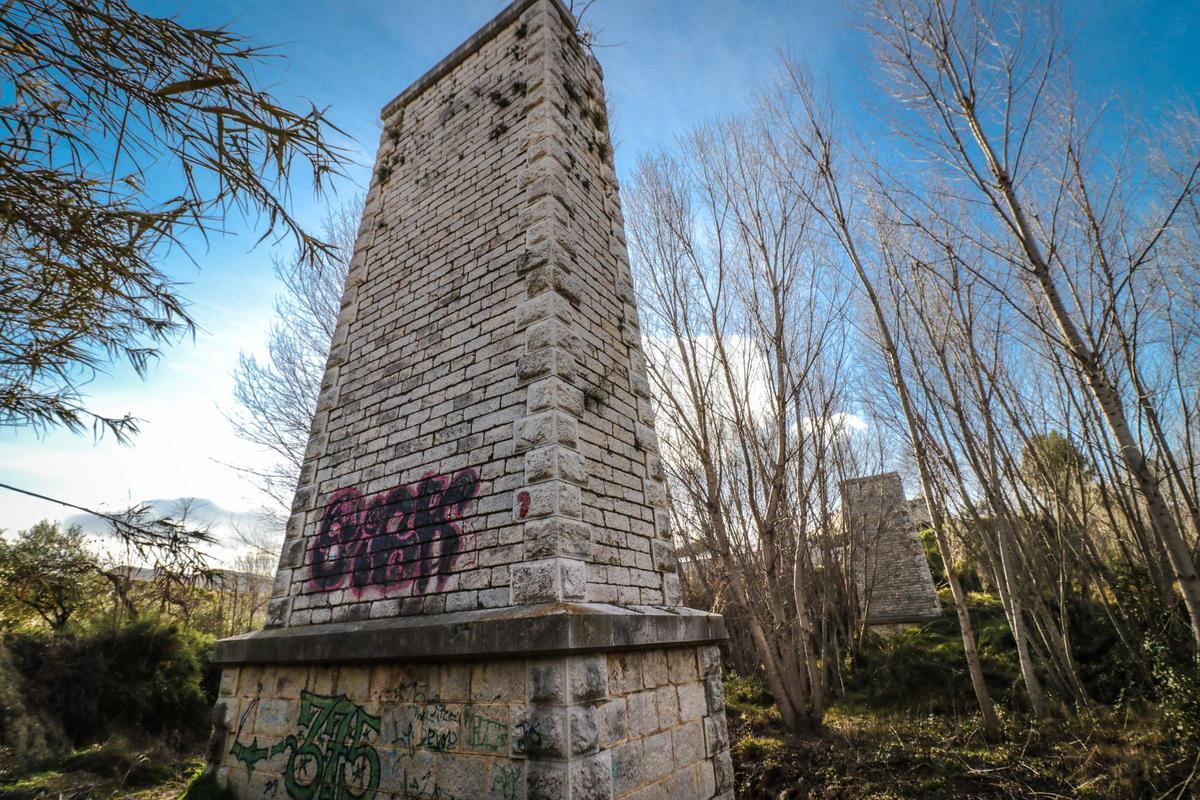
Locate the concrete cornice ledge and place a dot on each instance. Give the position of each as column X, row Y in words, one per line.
column 550, row 629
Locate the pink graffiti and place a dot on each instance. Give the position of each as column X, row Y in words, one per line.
column 404, row 537
column 522, row 504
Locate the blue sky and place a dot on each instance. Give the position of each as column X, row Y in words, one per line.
column 674, row 63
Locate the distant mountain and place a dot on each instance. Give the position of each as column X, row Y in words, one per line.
column 201, row 513
column 229, row 529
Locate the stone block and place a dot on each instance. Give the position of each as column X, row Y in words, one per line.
column 589, row 677
column 714, row 694
column 645, row 437
column 486, row 729
column 572, row 578
column 656, row 792
column 655, row 493
column 710, row 660
column 716, row 734
column 552, row 498
column 540, row 731
column 555, row 462
column 498, row 681
column 460, row 776
column 624, row 673
column 506, row 781
column 554, row 393
column 553, row 333
column 551, row 278
column 723, row 770
column 667, row 702
column 454, row 683
column 545, row 306
column 558, row 536
column 654, row 668
column 692, row 701
column 550, row 427
column 591, row 778
column 672, row 593
column 706, row 779
column 657, row 758
column 627, row 767
column 547, row 362
column 536, row 582
column 688, row 743
column 547, row 680
column 681, row 663
column 277, row 611
column 681, row 784
column 643, row 713
column 583, row 730
column 546, row 780
column 613, row 726
column 663, row 554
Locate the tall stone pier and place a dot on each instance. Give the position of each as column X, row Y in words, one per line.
column 891, row 573
column 478, row 594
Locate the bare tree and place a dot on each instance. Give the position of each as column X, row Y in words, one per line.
column 805, row 125
column 277, row 397
column 746, row 336
column 995, row 116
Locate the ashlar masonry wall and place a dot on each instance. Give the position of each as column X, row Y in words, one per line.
column 648, row 725
column 485, row 411
column 891, row 571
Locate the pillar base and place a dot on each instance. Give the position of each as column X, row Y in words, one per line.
column 560, row 701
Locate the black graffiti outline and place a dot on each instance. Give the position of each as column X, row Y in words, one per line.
column 389, row 541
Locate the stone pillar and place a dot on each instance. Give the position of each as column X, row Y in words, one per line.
column 890, row 569
column 478, row 594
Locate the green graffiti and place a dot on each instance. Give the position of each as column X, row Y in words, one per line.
column 505, row 782
column 485, row 732
column 329, row 757
column 248, row 754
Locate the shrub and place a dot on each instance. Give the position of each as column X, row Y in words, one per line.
column 924, row 668
column 145, row 678
column 205, row 786
column 28, row 736
column 1178, row 686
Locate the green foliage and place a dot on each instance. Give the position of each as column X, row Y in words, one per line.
column 48, row 573
column 205, row 786
column 1052, row 463
column 116, row 768
column 747, row 697
column 103, row 97
column 933, row 555
column 925, row 668
column 894, row 753
column 145, row 678
column 28, row 734
column 1178, row 686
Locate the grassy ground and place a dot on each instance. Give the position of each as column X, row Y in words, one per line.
column 862, row 754
column 106, row 772
column 859, row 754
